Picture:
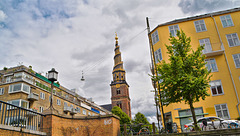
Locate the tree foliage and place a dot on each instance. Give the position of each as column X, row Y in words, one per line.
column 124, row 119
column 140, row 119
column 184, row 77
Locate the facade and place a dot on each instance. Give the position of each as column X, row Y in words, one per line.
column 21, row 86
column 119, row 86
column 220, row 33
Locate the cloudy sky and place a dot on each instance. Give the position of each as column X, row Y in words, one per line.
column 79, row 35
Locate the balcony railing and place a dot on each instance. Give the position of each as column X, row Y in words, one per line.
column 67, row 109
column 73, row 111
column 16, row 116
column 33, row 97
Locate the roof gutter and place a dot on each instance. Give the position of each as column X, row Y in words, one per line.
column 222, row 47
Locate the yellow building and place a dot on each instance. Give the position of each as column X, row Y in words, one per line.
column 21, row 86
column 219, row 32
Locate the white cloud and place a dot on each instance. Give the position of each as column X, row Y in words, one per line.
column 79, row 35
column 2, row 16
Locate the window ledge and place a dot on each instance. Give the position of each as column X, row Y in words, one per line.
column 20, row 91
column 218, row 94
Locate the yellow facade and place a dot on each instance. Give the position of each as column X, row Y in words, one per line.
column 227, row 72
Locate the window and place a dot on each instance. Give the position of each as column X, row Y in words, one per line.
column 211, row 65
column 155, row 38
column 65, row 104
column 236, row 58
column 216, row 87
column 1, row 91
column 41, row 109
column 173, row 30
column 207, row 47
column 42, row 95
column 84, row 112
column 0, row 106
column 222, row 111
column 78, row 109
column 118, row 91
column 8, row 79
column 89, row 113
column 20, row 103
column 58, row 102
column 226, row 21
column 19, row 88
column 200, row 26
column 233, row 39
column 158, row 55
column 119, row 104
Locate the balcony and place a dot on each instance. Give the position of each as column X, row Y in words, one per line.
column 67, row 109
column 213, row 53
column 33, row 97
column 73, row 111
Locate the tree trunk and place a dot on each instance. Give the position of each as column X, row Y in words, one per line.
column 196, row 128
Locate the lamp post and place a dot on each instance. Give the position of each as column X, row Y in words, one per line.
column 52, row 76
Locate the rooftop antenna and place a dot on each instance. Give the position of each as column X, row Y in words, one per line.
column 82, row 79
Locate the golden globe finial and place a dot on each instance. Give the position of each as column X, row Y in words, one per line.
column 116, row 38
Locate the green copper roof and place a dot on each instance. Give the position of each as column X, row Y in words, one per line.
column 45, row 79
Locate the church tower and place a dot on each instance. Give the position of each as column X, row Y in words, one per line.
column 119, row 86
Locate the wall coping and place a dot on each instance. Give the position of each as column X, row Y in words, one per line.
column 83, row 117
column 23, row 130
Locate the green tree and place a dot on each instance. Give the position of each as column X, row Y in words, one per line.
column 184, row 77
column 124, row 119
column 141, row 119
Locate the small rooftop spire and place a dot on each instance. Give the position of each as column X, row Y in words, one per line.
column 116, row 38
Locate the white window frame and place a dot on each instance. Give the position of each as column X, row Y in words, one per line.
column 201, row 25
column 227, row 19
column 207, row 43
column 58, row 102
column 2, row 91
column 215, row 83
column 20, row 103
column 210, row 64
column 78, row 109
column 155, row 37
column 158, row 55
column 221, row 110
column 89, row 113
column 42, row 95
column 173, row 29
column 236, row 57
column 40, row 109
column 84, row 112
column 234, row 39
column 10, row 90
column 9, row 79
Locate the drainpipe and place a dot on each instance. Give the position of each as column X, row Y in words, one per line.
column 222, row 47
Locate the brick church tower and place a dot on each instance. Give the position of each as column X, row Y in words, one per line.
column 119, row 86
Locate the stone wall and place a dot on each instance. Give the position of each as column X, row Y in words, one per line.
column 107, row 125
column 17, row 131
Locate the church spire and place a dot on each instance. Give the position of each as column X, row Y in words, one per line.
column 119, row 86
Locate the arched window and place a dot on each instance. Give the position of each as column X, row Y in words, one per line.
column 118, row 91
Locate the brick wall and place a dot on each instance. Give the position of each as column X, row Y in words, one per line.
column 56, row 125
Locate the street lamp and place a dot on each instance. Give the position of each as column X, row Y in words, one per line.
column 52, row 76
